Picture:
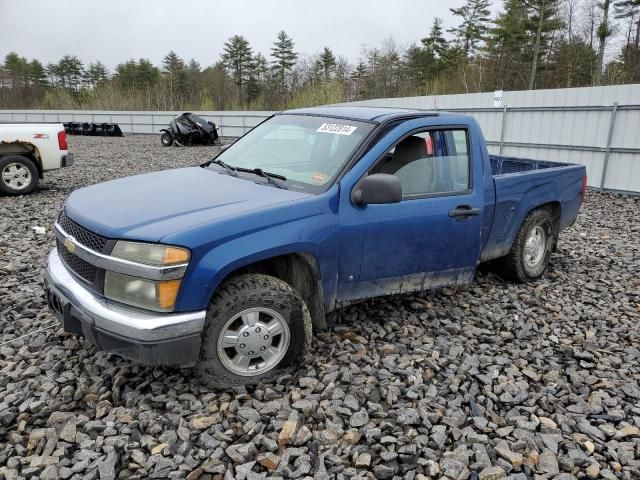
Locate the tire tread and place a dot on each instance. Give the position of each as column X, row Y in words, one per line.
column 235, row 291
column 510, row 266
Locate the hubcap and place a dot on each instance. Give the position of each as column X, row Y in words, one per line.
column 253, row 341
column 16, row 176
column 535, row 246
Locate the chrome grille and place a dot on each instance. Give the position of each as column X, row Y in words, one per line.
column 83, row 269
column 82, row 235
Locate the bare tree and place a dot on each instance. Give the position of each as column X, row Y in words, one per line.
column 604, row 31
column 571, row 10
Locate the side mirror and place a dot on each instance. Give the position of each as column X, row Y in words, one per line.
column 376, row 189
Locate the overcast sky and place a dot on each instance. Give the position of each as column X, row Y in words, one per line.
column 115, row 30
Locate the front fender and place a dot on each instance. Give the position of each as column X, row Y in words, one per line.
column 307, row 226
column 204, row 278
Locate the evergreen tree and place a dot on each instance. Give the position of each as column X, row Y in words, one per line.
column 435, row 43
column 37, row 74
column 508, row 46
column 237, row 57
column 174, row 67
column 175, row 73
column 571, row 64
column 358, row 76
column 256, row 77
column 70, row 71
column 96, row 73
column 418, row 63
column 543, row 16
column 328, row 63
column 146, row 73
column 284, row 58
column 17, row 68
column 435, row 50
column 475, row 17
column 136, row 75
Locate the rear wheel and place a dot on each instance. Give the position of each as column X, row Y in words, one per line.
column 18, row 175
column 531, row 249
column 257, row 328
column 166, row 139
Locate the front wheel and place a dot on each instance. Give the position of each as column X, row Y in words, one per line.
column 257, row 328
column 531, row 249
column 166, row 139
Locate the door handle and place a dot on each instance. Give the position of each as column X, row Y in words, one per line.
column 464, row 212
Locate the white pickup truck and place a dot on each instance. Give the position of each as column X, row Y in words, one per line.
column 27, row 150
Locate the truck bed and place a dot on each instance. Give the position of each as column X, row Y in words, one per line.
column 501, row 165
column 521, row 184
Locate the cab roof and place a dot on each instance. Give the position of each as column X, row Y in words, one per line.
column 370, row 114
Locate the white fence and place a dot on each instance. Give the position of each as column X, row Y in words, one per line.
column 231, row 123
column 596, row 126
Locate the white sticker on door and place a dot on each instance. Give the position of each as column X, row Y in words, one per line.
column 336, row 128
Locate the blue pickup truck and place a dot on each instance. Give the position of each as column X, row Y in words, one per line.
column 228, row 266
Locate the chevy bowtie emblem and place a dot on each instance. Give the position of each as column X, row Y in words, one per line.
column 71, row 247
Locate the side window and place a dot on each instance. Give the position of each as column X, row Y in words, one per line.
column 429, row 162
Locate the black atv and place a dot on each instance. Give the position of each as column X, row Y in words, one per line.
column 189, row 129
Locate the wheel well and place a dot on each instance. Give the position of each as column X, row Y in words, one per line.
column 300, row 270
column 38, row 163
column 31, row 155
column 555, row 210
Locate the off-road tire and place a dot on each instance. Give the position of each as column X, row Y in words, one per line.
column 513, row 266
column 166, row 139
column 25, row 162
column 249, row 291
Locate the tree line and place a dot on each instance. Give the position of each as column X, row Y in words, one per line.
column 528, row 44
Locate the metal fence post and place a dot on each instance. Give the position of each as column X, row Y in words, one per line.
column 502, row 125
column 607, row 151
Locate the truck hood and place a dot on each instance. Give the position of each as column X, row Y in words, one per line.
column 150, row 206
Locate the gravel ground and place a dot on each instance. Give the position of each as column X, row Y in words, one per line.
column 490, row 381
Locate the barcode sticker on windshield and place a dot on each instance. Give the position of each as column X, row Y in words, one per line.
column 336, row 128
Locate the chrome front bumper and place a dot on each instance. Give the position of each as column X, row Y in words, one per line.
column 148, row 337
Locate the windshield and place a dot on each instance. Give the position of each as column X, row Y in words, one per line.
column 309, row 151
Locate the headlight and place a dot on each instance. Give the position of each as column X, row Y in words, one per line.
column 152, row 295
column 151, row 253
column 157, row 295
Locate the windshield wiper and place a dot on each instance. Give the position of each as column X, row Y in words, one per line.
column 269, row 176
column 232, row 170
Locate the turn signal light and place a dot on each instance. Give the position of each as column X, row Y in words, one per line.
column 167, row 293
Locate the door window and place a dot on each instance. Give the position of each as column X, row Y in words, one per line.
column 429, row 162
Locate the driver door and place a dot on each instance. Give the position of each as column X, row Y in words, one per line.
column 426, row 240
